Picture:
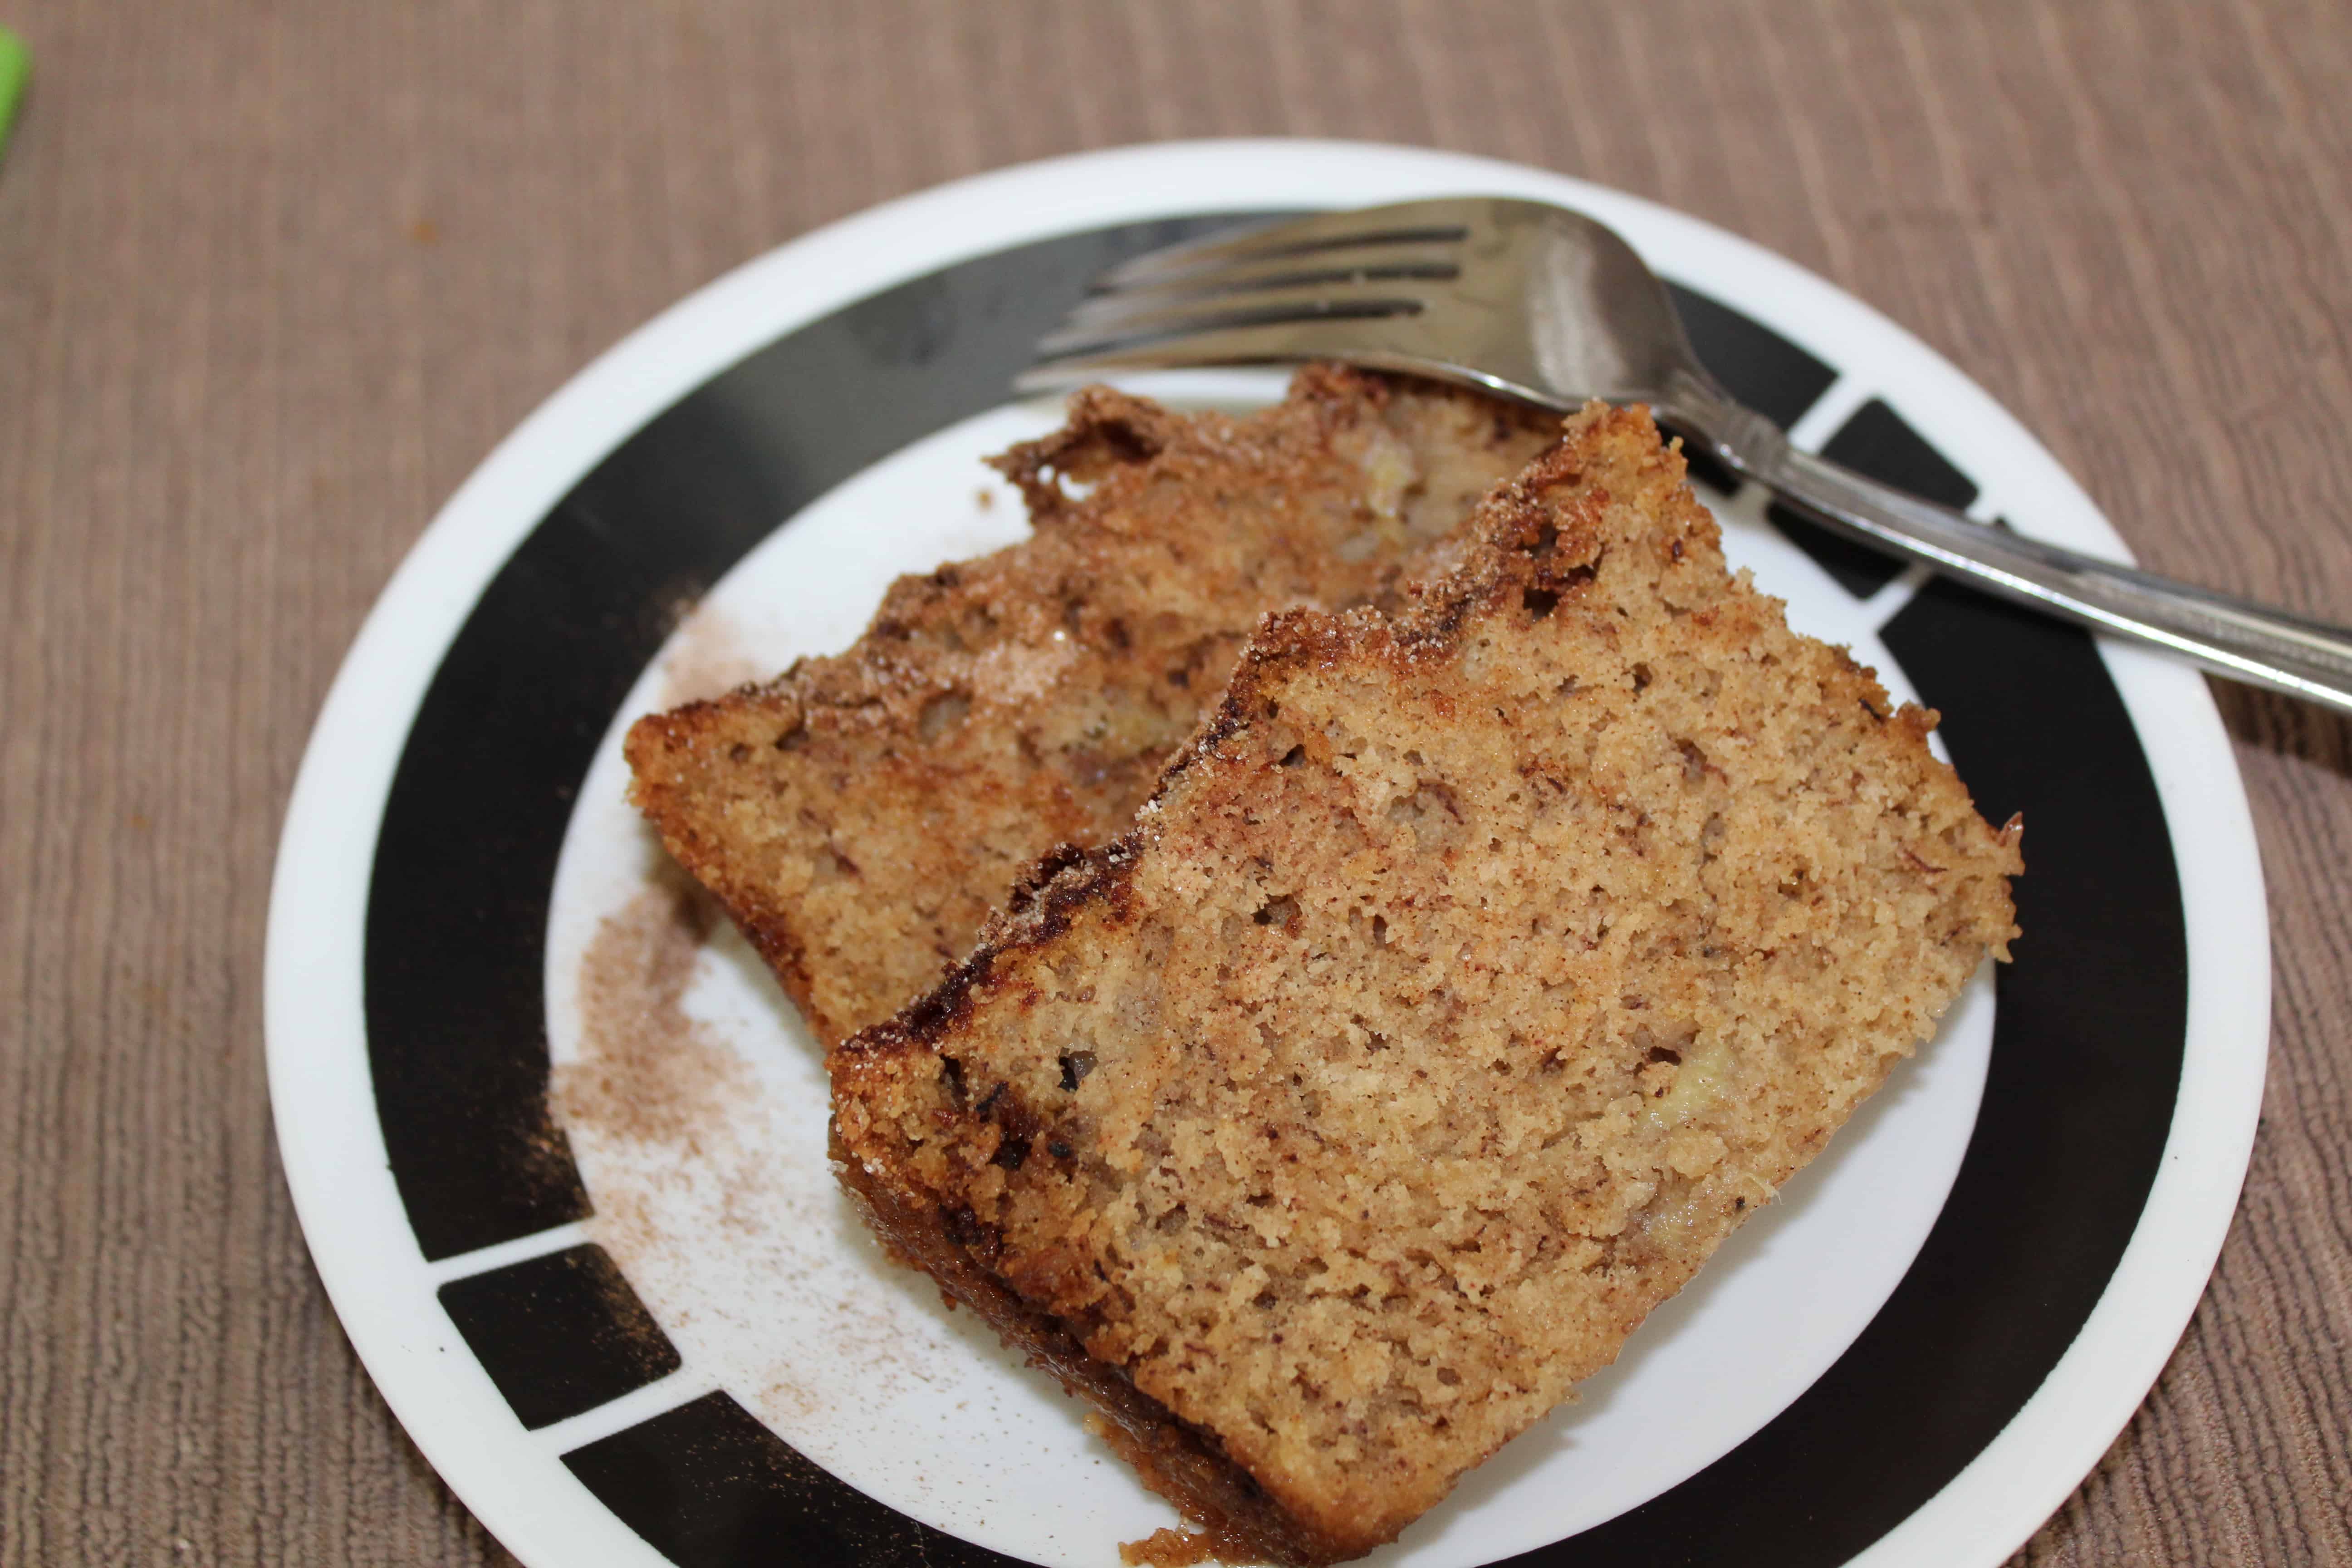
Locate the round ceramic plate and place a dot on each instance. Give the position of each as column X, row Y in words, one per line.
column 630, row 1319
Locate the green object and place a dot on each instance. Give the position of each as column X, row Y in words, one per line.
column 15, row 65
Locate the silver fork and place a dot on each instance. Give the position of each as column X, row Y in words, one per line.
column 1547, row 305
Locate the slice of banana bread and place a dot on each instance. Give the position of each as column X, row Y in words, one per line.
column 860, row 815
column 1469, row 977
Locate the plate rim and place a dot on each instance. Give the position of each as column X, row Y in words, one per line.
column 312, row 984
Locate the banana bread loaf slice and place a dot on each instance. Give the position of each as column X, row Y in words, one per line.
column 1469, row 977
column 860, row 815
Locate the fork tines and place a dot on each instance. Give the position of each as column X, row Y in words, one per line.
column 1231, row 297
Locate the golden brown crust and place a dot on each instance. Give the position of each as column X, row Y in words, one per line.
column 860, row 815
column 1468, row 978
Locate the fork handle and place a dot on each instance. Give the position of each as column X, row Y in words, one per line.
column 2232, row 637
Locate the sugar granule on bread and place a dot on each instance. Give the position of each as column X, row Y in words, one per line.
column 1470, row 976
column 859, row 815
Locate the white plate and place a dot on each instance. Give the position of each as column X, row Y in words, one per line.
column 1913, row 1358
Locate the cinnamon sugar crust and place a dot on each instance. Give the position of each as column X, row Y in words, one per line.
column 860, row 815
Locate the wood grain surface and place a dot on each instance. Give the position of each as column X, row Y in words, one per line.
column 273, row 278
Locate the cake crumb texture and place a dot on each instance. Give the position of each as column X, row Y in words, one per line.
column 860, row 815
column 1166, row 1548
column 1473, row 973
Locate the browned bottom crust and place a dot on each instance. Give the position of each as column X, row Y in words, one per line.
column 1180, row 1461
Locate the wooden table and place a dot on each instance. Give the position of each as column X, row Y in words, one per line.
column 274, row 277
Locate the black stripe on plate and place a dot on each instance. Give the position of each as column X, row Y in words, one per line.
column 1755, row 365
column 1875, row 442
column 2086, row 1053
column 709, row 1486
column 458, row 903
column 559, row 1333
